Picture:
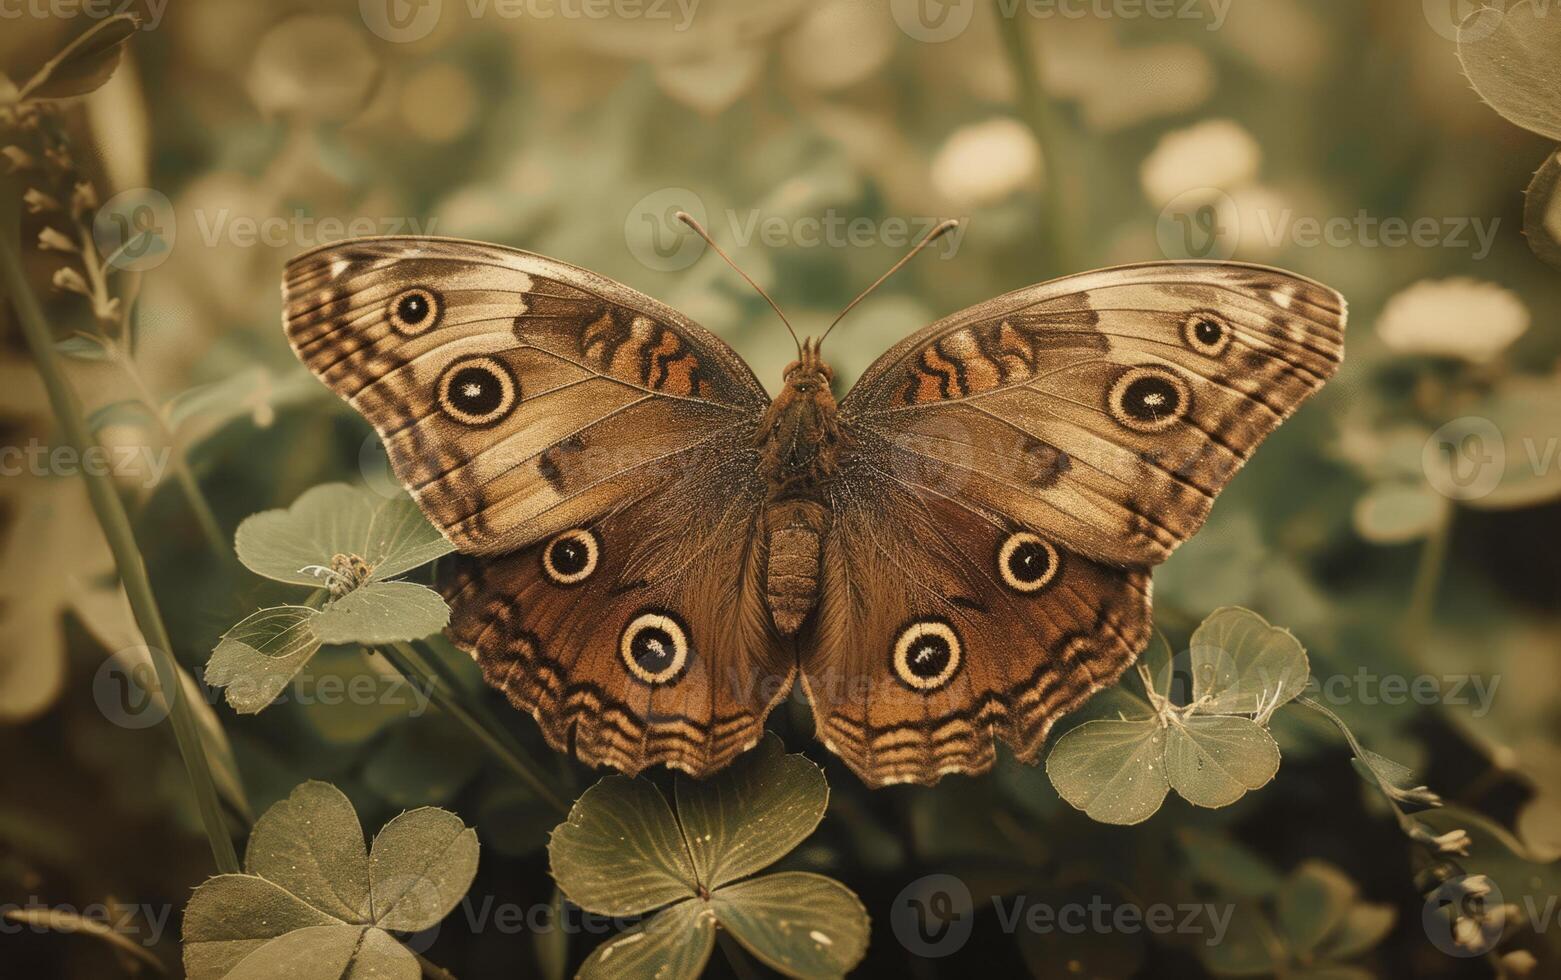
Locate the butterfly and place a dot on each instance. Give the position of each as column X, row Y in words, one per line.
column 652, row 551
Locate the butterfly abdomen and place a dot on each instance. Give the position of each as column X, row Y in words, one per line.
column 795, row 534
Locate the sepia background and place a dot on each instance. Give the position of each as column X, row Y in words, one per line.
column 1404, row 526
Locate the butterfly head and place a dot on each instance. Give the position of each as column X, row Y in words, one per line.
column 809, row 374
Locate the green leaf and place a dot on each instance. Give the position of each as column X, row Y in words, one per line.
column 339, row 952
column 85, row 63
column 1245, row 666
column 312, row 844
column 1112, row 770
column 1251, row 946
column 1213, row 760
column 1364, row 925
column 257, row 658
column 429, row 761
column 621, row 852
column 337, row 519
column 231, row 916
column 382, row 612
column 1512, row 64
column 1397, row 512
column 1230, row 867
column 804, row 925
column 1542, row 211
column 673, row 944
column 1312, row 903
column 1526, row 411
column 751, row 814
column 421, row 864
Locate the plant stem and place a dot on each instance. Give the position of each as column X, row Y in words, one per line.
column 205, row 517
column 1428, row 575
column 110, row 511
column 735, row 956
column 432, row 969
column 414, row 667
column 1042, row 120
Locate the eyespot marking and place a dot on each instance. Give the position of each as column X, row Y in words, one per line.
column 1149, row 399
column 654, row 647
column 571, row 557
column 1027, row 562
column 1207, row 333
column 926, row 655
column 415, row 311
column 477, row 391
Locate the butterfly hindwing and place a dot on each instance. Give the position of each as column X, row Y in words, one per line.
column 635, row 640
column 937, row 632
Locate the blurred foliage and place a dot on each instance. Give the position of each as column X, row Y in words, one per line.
column 1402, row 526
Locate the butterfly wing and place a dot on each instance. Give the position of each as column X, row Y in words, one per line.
column 515, row 395
column 588, row 450
column 1016, row 469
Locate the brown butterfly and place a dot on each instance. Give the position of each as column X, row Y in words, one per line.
column 957, row 550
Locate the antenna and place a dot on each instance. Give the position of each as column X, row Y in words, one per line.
column 688, row 219
column 931, row 236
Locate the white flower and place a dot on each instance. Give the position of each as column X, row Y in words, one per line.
column 1461, row 317
column 1217, row 153
column 985, row 162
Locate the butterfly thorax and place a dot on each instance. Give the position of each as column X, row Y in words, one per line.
column 799, row 441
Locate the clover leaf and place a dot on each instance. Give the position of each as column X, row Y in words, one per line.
column 350, row 540
column 1318, row 923
column 314, row 902
column 390, row 535
column 623, row 851
column 1509, row 57
column 1211, row 750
